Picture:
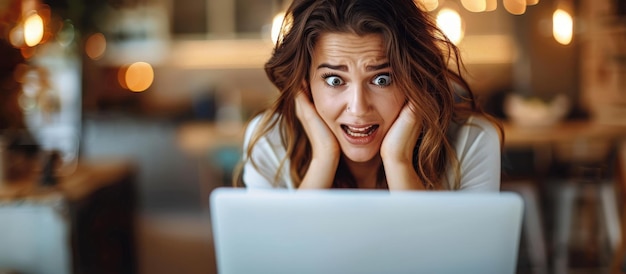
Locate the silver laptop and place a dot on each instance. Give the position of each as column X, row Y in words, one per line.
column 364, row 231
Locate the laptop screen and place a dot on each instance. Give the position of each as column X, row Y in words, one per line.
column 365, row 231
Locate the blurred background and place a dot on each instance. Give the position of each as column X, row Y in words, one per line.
column 161, row 90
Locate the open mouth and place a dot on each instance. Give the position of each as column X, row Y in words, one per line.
column 359, row 131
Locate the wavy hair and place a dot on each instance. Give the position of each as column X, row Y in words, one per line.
column 426, row 67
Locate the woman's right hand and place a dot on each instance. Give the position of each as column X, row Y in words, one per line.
column 324, row 142
column 324, row 145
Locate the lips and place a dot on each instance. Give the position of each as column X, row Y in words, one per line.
column 359, row 132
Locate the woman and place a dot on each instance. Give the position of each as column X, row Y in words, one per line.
column 371, row 97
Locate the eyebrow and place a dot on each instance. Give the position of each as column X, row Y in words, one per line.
column 345, row 68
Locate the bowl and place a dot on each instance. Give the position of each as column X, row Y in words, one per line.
column 534, row 111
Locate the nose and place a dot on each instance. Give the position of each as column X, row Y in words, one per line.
column 358, row 101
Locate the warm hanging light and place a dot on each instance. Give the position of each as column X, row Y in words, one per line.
column 562, row 26
column 491, row 5
column 475, row 5
column 449, row 21
column 515, row 7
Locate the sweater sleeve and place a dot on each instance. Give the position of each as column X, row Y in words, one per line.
column 266, row 154
column 478, row 151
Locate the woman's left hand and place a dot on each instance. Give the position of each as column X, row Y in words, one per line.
column 397, row 146
column 397, row 151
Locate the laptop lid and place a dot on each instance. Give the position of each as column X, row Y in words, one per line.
column 365, row 231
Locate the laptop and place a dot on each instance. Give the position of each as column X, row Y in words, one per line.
column 364, row 231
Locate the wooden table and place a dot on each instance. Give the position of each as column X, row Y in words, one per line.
column 543, row 141
column 567, row 131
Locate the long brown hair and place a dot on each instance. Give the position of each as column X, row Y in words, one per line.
column 425, row 65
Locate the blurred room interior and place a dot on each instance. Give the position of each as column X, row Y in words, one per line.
column 144, row 101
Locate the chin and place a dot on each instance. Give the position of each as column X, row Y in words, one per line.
column 360, row 156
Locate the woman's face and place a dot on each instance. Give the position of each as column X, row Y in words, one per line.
column 352, row 90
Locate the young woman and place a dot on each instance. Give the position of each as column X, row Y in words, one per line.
column 371, row 96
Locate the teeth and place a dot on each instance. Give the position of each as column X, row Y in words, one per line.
column 357, row 134
column 359, row 131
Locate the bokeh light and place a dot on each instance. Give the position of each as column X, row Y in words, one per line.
column 562, row 26
column 16, row 36
column 95, row 46
column 449, row 21
column 475, row 5
column 67, row 34
column 491, row 5
column 121, row 76
column 139, row 76
column 515, row 7
column 33, row 29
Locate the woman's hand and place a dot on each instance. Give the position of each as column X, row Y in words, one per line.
column 396, row 150
column 401, row 138
column 323, row 141
column 324, row 145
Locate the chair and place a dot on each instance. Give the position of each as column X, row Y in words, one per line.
column 583, row 171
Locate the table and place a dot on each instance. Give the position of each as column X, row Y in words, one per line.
column 84, row 224
column 521, row 136
column 543, row 140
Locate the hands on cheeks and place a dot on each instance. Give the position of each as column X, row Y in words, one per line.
column 401, row 137
column 397, row 150
column 323, row 141
column 325, row 147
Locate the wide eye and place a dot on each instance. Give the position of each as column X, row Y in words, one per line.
column 382, row 80
column 333, row 81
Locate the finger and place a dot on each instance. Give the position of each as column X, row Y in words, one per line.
column 408, row 112
column 301, row 98
column 410, row 107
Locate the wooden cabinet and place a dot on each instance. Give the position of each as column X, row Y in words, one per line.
column 85, row 224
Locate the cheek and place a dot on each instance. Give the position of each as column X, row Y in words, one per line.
column 392, row 107
column 324, row 103
column 327, row 108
